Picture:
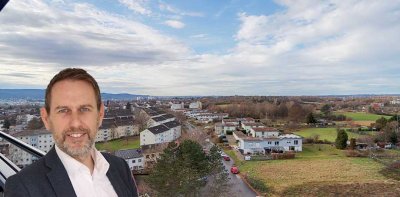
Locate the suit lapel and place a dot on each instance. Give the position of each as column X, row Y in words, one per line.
column 58, row 176
column 116, row 181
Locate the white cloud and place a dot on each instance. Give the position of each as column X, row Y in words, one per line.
column 137, row 6
column 175, row 24
column 343, row 47
column 171, row 9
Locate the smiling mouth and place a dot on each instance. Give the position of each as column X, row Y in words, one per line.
column 76, row 135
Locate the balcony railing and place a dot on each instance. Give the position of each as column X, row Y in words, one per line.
column 7, row 167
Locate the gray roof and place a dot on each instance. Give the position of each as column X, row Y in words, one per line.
column 129, row 153
column 158, row 119
column 172, row 124
column 32, row 132
column 168, row 116
column 158, row 129
column 108, row 123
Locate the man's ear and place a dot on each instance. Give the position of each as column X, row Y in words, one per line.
column 45, row 118
column 101, row 114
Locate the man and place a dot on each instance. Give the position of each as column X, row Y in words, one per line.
column 73, row 112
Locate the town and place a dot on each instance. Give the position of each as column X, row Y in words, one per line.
column 262, row 141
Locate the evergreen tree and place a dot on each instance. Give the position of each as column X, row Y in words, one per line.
column 311, row 119
column 341, row 139
column 180, row 170
column 218, row 174
column 6, row 124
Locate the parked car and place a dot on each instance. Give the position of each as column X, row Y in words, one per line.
column 247, row 157
column 234, row 170
column 226, row 158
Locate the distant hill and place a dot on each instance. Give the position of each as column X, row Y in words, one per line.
column 38, row 94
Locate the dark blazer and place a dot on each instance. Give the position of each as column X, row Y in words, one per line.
column 48, row 177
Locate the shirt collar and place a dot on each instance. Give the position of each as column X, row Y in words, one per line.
column 73, row 166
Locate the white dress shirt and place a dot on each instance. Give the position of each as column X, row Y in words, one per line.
column 84, row 183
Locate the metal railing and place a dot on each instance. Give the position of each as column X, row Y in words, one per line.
column 7, row 167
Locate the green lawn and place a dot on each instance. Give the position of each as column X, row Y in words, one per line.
column 119, row 144
column 324, row 133
column 361, row 116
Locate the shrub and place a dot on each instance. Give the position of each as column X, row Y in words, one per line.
column 257, row 184
column 285, row 155
column 356, row 153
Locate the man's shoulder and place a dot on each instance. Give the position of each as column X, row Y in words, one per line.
column 112, row 158
column 38, row 167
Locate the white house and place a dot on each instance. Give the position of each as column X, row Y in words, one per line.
column 264, row 132
column 248, row 126
column 133, row 157
column 195, row 105
column 177, row 106
column 163, row 133
column 286, row 142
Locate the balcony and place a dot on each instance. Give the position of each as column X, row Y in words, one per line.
column 7, row 167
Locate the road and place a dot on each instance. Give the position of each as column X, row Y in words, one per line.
column 237, row 187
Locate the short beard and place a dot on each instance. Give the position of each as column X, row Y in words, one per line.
column 76, row 153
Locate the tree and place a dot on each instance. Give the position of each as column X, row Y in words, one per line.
column 381, row 123
column 141, row 120
column 341, row 139
column 180, row 170
column 311, row 119
column 6, row 124
column 218, row 174
column 35, row 123
column 326, row 109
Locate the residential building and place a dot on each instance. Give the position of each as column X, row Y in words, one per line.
column 248, row 126
column 286, row 142
column 163, row 133
column 40, row 139
column 195, row 105
column 264, row 132
column 133, row 157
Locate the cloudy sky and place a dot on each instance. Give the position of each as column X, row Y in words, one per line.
column 205, row 47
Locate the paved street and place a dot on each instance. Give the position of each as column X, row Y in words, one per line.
column 237, row 188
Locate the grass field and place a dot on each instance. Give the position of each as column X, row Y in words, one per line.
column 360, row 116
column 317, row 168
column 324, row 133
column 124, row 143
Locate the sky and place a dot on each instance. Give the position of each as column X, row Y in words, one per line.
column 207, row 47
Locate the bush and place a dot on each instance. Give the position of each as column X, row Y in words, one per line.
column 285, row 155
column 257, row 184
column 356, row 153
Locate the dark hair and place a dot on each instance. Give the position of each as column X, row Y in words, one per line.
column 72, row 74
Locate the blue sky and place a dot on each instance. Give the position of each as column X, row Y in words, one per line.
column 249, row 47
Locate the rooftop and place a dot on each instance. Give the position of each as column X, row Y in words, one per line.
column 129, row 153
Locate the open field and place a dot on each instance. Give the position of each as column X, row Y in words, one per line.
column 361, row 116
column 317, row 169
column 123, row 143
column 324, row 133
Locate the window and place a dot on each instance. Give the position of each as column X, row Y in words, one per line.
column 296, row 142
column 269, row 142
column 133, row 161
column 139, row 160
column 276, row 143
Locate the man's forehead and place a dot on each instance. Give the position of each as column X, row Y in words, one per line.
column 72, row 93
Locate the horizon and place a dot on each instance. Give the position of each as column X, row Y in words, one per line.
column 255, row 47
column 133, row 94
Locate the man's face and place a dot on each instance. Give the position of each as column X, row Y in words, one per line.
column 74, row 117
